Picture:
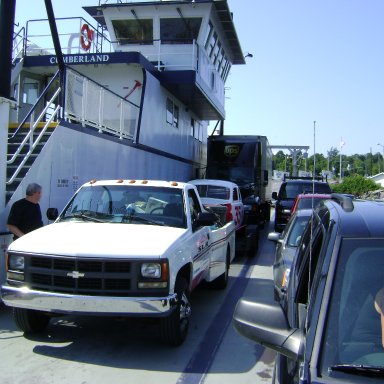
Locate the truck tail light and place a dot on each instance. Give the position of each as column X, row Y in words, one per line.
column 228, row 215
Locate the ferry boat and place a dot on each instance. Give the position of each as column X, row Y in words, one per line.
column 127, row 94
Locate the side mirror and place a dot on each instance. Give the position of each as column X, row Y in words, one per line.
column 266, row 323
column 274, row 195
column 52, row 214
column 205, row 219
column 274, row 236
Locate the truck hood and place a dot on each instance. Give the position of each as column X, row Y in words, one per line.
column 98, row 240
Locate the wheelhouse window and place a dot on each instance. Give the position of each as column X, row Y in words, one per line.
column 208, row 35
column 179, row 30
column 212, row 44
column 216, row 52
column 133, row 31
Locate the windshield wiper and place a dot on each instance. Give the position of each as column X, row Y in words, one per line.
column 359, row 369
column 82, row 215
column 132, row 216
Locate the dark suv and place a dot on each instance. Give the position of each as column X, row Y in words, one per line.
column 331, row 329
column 289, row 189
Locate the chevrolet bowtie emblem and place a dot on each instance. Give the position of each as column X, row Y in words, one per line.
column 75, row 274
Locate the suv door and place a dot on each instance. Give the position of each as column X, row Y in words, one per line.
column 302, row 286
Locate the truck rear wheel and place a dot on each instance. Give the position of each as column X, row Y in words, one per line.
column 174, row 328
column 30, row 321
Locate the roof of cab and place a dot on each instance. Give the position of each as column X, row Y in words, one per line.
column 215, row 182
column 134, row 182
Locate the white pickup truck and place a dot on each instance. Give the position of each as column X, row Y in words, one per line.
column 120, row 247
column 215, row 194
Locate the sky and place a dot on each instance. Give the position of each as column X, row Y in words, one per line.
column 316, row 77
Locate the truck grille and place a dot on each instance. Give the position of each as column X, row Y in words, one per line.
column 83, row 277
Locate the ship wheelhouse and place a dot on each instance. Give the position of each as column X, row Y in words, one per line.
column 193, row 45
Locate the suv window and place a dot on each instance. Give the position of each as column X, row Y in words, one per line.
column 306, row 269
column 353, row 327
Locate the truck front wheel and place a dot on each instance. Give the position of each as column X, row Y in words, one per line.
column 30, row 321
column 174, row 328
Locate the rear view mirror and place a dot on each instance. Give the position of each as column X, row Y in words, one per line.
column 205, row 219
column 52, row 214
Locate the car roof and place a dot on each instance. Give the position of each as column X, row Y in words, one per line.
column 356, row 218
column 216, row 182
column 300, row 181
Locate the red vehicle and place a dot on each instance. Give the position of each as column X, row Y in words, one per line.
column 308, row 200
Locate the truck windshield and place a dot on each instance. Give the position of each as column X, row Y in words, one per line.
column 127, row 204
column 233, row 161
column 239, row 175
column 291, row 190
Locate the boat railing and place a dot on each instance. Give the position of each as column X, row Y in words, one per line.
column 171, row 56
column 74, row 37
column 89, row 103
column 166, row 55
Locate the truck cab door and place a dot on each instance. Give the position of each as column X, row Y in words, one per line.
column 200, row 241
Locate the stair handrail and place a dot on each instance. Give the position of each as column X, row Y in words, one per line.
column 40, row 98
column 31, row 149
column 28, row 136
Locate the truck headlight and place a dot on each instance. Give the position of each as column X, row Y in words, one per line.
column 154, row 271
column 15, row 262
column 151, row 270
column 15, row 267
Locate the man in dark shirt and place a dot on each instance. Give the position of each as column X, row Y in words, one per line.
column 25, row 215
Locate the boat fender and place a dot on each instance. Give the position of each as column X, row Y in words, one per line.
column 86, row 37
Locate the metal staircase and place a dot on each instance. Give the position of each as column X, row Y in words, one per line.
column 21, row 157
column 26, row 140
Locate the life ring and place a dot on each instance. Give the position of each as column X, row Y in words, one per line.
column 86, row 37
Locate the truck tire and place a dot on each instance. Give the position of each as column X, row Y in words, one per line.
column 221, row 282
column 30, row 321
column 174, row 328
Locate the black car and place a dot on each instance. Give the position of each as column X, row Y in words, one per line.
column 332, row 330
column 288, row 191
column 286, row 247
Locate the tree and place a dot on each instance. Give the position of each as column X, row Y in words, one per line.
column 355, row 185
column 357, row 164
